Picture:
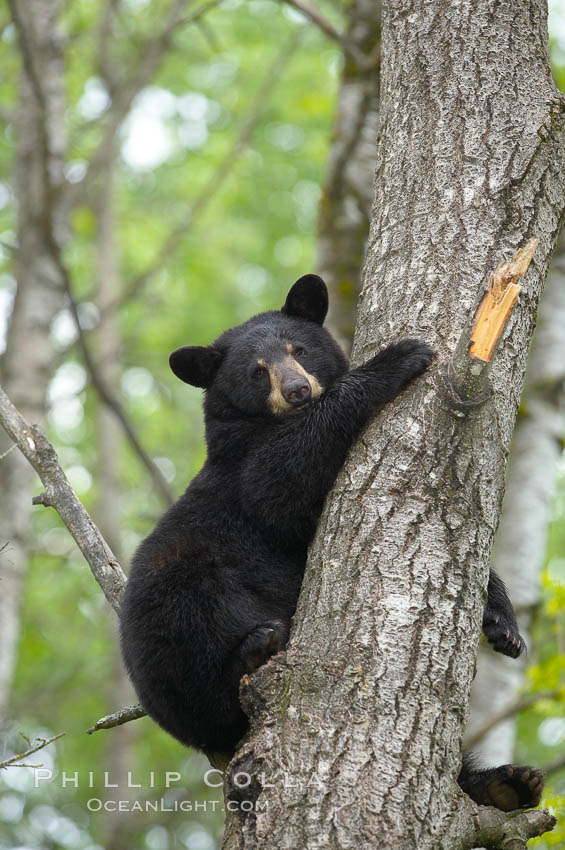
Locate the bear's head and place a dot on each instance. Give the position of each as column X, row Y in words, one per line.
column 275, row 363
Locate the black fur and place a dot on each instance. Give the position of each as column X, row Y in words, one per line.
column 499, row 620
column 213, row 588
column 508, row 787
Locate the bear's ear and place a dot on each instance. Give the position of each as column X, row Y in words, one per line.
column 195, row 364
column 308, row 299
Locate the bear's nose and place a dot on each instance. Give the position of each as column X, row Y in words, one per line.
column 297, row 392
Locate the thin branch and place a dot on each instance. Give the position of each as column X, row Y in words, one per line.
column 59, row 494
column 27, row 52
column 218, row 178
column 124, row 715
column 364, row 63
column 16, row 760
column 209, row 35
column 514, row 708
column 510, row 831
column 9, row 246
column 55, row 250
column 110, row 400
column 151, row 56
column 104, row 39
column 103, row 390
column 5, row 454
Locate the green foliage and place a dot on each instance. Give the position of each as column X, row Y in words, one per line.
column 254, row 237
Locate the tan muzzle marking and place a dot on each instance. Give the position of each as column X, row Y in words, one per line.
column 277, row 402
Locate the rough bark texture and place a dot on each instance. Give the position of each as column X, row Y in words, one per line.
column 26, row 364
column 345, row 207
column 356, row 730
column 521, row 539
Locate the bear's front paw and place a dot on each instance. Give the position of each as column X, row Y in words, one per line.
column 503, row 635
column 410, row 356
column 510, row 787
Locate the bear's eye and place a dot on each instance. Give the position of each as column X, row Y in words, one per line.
column 299, row 351
column 258, row 372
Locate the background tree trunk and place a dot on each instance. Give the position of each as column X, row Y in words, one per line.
column 356, row 729
column 521, row 539
column 26, row 364
column 120, row 751
column 345, row 207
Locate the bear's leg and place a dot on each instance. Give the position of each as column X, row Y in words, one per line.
column 499, row 620
column 263, row 641
column 507, row 787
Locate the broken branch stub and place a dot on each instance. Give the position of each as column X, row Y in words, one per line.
column 498, row 301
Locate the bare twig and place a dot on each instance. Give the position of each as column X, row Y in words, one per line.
column 6, row 453
column 124, row 715
column 151, row 55
column 27, row 53
column 160, row 44
column 103, row 390
column 9, row 246
column 510, row 831
column 59, row 494
column 510, row 711
column 111, row 401
column 16, row 760
column 364, row 63
column 218, row 178
column 104, row 38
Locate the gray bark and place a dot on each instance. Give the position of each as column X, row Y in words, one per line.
column 356, row 729
column 345, row 207
column 26, row 365
column 521, row 540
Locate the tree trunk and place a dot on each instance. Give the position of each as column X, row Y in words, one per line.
column 356, row 730
column 26, row 364
column 345, row 207
column 521, row 539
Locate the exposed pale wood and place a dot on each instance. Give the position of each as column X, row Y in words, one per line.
column 490, row 319
column 498, row 301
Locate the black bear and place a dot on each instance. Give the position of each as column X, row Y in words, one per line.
column 213, row 588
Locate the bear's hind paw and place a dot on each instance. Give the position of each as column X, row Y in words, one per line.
column 511, row 787
column 504, row 637
column 265, row 640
